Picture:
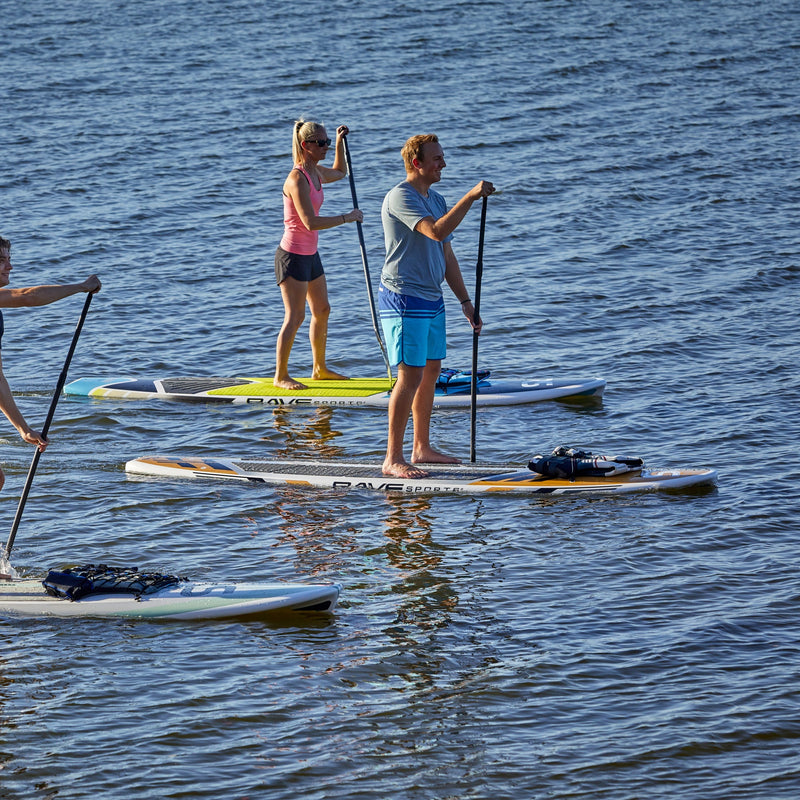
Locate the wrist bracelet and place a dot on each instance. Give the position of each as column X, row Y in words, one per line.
column 344, row 221
column 464, row 302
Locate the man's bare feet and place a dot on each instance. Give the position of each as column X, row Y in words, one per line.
column 328, row 375
column 288, row 383
column 403, row 470
column 431, row 456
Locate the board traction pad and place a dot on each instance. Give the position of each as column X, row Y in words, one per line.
column 317, row 388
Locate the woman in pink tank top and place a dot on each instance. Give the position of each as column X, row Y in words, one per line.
column 298, row 267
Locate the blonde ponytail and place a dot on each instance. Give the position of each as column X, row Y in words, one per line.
column 303, row 131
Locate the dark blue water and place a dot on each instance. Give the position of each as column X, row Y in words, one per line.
column 645, row 231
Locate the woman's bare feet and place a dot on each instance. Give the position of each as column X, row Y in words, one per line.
column 288, row 383
column 402, row 469
column 431, row 456
column 328, row 375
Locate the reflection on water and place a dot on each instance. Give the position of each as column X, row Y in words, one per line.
column 426, row 597
column 307, row 436
column 408, row 528
column 6, row 720
column 310, row 523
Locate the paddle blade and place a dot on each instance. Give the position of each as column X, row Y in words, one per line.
column 7, row 572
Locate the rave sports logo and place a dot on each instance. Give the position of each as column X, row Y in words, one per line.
column 305, row 401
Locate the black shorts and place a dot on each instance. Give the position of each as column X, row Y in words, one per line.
column 293, row 265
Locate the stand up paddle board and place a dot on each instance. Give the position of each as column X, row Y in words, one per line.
column 449, row 479
column 453, row 390
column 178, row 600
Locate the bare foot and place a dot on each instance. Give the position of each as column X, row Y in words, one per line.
column 431, row 456
column 328, row 375
column 288, row 383
column 403, row 470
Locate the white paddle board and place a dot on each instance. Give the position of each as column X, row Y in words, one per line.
column 449, row 479
column 186, row 600
column 355, row 392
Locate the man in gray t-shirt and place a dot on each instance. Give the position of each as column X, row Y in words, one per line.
column 418, row 230
column 414, row 262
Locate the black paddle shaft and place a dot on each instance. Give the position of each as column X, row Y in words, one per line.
column 475, row 337
column 62, row 379
column 364, row 259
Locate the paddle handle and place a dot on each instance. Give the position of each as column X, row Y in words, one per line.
column 363, row 246
column 475, row 319
column 62, row 379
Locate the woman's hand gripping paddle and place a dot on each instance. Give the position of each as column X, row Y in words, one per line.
column 475, row 320
column 364, row 261
column 62, row 378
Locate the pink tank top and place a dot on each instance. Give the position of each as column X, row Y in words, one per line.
column 296, row 237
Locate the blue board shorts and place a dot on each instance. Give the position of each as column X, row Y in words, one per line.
column 414, row 328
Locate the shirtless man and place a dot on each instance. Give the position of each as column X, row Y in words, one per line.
column 418, row 229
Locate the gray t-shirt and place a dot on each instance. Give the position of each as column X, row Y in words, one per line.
column 414, row 262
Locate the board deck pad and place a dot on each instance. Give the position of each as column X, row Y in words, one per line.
column 452, row 479
column 256, row 387
column 354, row 392
column 186, row 600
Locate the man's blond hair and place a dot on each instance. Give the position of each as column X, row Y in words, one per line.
column 413, row 148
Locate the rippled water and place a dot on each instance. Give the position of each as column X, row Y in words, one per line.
column 645, row 231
